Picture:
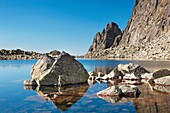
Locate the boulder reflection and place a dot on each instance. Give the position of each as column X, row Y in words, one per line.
column 62, row 97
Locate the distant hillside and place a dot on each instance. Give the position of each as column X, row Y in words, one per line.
column 147, row 35
column 23, row 55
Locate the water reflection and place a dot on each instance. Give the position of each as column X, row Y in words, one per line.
column 16, row 63
column 161, row 89
column 153, row 66
column 62, row 97
column 104, row 70
column 152, row 100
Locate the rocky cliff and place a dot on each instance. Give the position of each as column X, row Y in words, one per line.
column 147, row 35
column 109, row 37
column 149, row 21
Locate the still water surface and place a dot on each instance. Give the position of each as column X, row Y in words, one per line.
column 80, row 98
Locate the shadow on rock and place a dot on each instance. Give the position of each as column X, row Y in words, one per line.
column 62, row 97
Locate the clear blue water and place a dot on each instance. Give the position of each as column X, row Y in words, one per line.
column 14, row 99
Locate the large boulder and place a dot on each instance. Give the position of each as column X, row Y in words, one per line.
column 130, row 90
column 120, row 90
column 111, row 91
column 63, row 70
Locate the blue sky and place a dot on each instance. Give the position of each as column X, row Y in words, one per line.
column 69, row 25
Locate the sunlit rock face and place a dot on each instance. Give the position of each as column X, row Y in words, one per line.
column 150, row 19
column 107, row 38
column 63, row 70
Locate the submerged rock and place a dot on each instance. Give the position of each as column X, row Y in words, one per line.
column 111, row 91
column 120, row 90
column 130, row 90
column 63, row 70
column 163, row 81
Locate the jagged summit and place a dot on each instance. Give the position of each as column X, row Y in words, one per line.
column 106, row 39
column 147, row 35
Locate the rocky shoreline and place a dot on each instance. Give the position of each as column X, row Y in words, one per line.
column 130, row 76
column 19, row 54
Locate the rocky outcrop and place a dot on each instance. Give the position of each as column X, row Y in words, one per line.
column 109, row 37
column 63, row 70
column 19, row 54
column 132, row 74
column 147, row 31
column 123, row 71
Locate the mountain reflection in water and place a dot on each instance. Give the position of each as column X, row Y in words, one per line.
column 62, row 97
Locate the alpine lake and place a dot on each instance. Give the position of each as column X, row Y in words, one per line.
column 81, row 98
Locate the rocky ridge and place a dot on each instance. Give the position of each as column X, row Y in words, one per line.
column 155, row 50
column 19, row 54
column 146, row 36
